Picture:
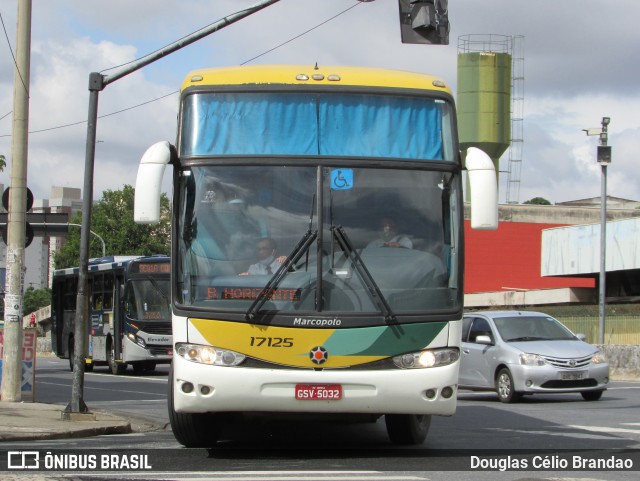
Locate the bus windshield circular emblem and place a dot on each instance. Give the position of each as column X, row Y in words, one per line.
column 318, row 355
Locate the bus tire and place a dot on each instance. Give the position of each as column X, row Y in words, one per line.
column 149, row 366
column 407, row 428
column 116, row 368
column 143, row 366
column 192, row 430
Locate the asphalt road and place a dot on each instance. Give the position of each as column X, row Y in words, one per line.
column 543, row 426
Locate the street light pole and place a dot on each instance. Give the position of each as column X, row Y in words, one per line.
column 104, row 247
column 604, row 159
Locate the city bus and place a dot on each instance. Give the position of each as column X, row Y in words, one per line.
column 317, row 247
column 129, row 313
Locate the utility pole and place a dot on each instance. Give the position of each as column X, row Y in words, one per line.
column 604, row 159
column 16, row 225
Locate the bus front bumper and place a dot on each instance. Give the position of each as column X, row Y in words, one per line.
column 199, row 388
column 160, row 354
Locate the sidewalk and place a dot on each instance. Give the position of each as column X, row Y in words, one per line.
column 26, row 421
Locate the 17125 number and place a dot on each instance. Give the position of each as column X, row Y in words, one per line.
column 271, row 342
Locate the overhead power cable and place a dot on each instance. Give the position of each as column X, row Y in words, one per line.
column 174, row 92
column 14, row 58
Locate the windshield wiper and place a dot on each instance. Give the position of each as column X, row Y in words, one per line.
column 156, row 286
column 365, row 276
column 265, row 294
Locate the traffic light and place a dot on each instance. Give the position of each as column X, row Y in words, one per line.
column 41, row 224
column 424, row 21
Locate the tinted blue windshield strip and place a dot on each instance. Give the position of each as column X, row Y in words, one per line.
column 373, row 126
column 309, row 125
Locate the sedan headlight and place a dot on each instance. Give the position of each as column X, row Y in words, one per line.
column 599, row 358
column 427, row 358
column 531, row 359
column 209, row 355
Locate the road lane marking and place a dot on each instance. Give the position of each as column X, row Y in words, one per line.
column 604, row 429
column 106, row 389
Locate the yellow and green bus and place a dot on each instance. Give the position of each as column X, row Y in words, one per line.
column 317, row 246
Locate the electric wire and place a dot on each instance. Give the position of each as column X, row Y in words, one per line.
column 176, row 91
column 300, row 35
column 14, row 58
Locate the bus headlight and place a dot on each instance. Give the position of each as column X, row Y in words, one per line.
column 209, row 355
column 137, row 339
column 427, row 358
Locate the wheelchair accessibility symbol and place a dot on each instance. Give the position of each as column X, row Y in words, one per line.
column 341, row 179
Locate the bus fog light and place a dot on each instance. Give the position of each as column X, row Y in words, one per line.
column 430, row 393
column 205, row 390
column 447, row 392
column 187, row 388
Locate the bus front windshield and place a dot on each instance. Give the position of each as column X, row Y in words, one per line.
column 147, row 299
column 344, row 239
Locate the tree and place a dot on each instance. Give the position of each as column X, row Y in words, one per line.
column 112, row 219
column 34, row 299
column 538, row 201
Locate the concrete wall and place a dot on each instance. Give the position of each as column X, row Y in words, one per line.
column 624, row 361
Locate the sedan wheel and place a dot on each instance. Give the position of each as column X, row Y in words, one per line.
column 505, row 387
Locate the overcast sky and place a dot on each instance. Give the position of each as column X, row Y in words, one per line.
column 580, row 64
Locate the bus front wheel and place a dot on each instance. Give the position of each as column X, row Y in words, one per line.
column 116, row 368
column 193, row 430
column 407, row 428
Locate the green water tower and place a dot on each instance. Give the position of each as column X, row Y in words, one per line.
column 484, row 94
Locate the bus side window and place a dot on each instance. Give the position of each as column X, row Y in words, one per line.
column 108, row 292
column 97, row 301
column 70, row 291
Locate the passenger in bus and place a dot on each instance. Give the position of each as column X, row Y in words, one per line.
column 268, row 262
column 389, row 236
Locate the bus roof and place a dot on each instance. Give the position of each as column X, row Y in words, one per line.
column 108, row 263
column 314, row 76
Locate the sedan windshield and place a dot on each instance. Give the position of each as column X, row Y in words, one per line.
column 309, row 238
column 532, row 328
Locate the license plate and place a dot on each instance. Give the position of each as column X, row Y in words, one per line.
column 573, row 376
column 318, row 392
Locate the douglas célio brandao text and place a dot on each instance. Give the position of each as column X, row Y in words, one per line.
column 551, row 462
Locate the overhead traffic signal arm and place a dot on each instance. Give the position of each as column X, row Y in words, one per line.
column 40, row 225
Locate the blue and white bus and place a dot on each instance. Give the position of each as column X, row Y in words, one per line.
column 129, row 313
